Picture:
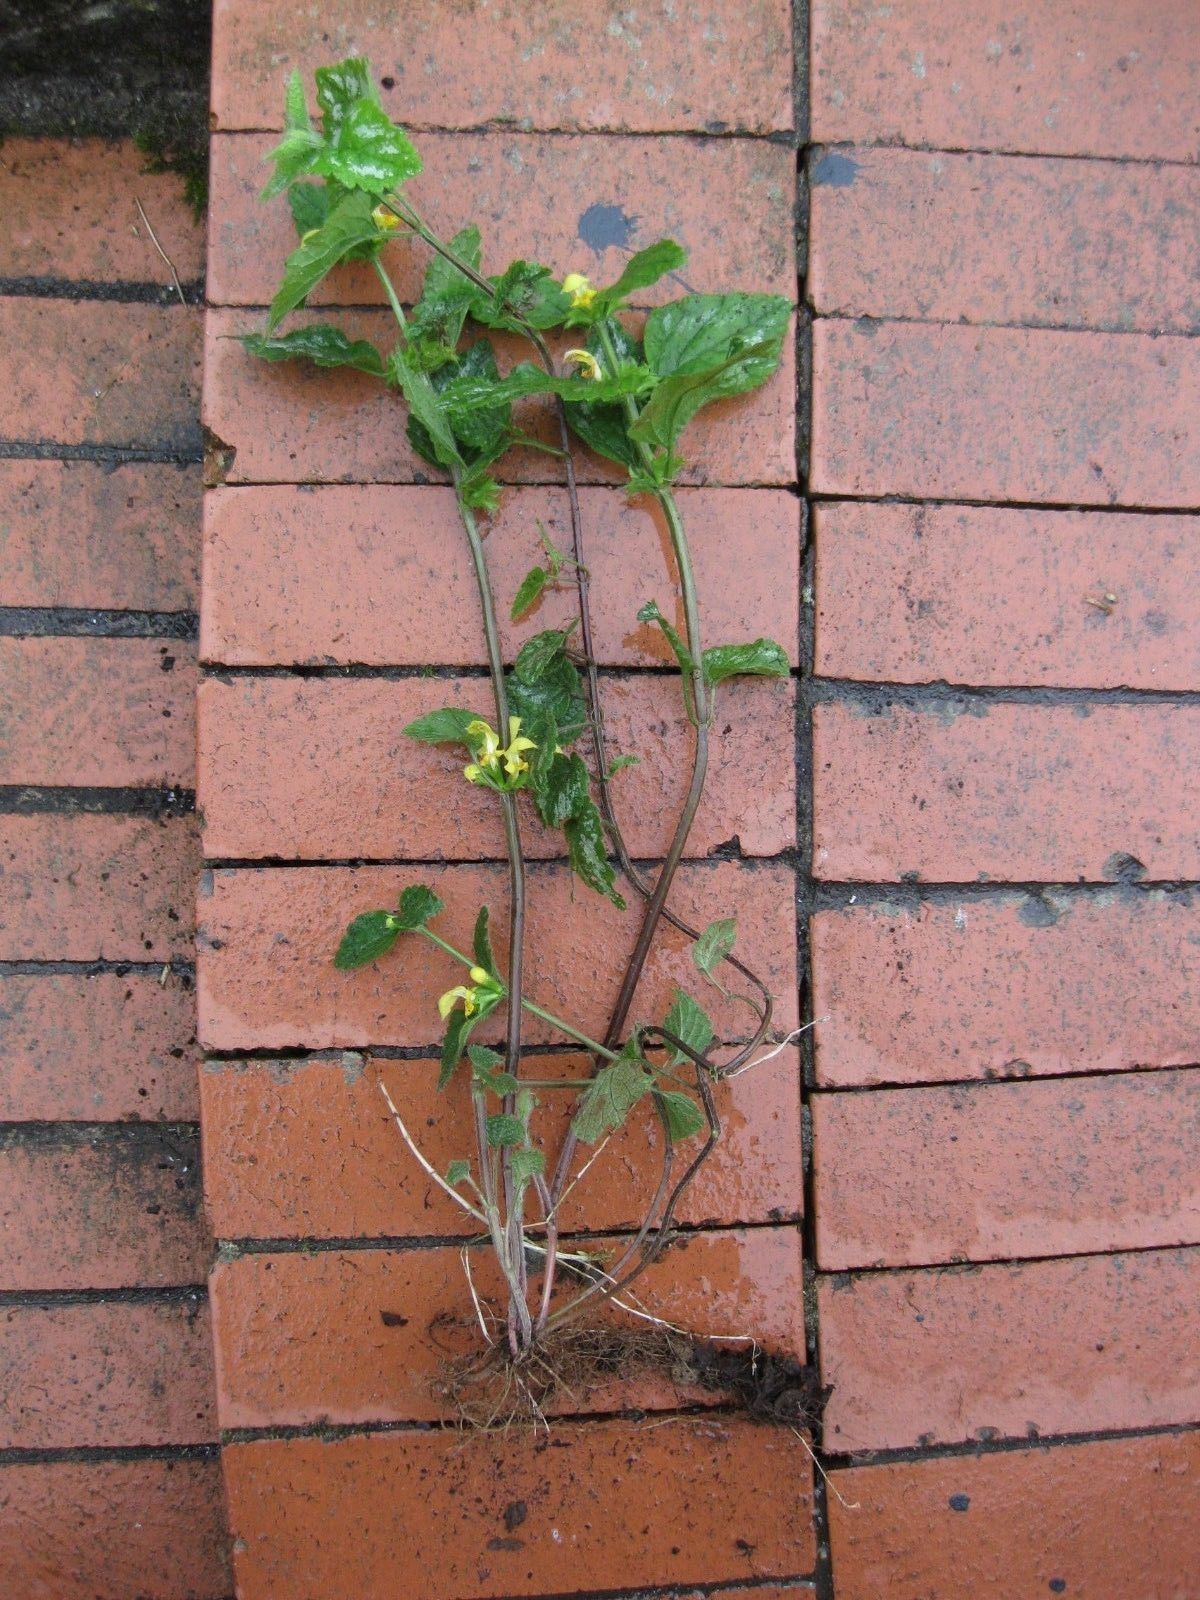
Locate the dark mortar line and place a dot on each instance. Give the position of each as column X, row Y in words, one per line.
column 718, row 856
column 904, row 319
column 98, row 291
column 336, row 1055
column 107, row 455
column 149, row 1137
column 675, row 1591
column 715, row 133
column 848, row 145
column 106, row 1455
column 75, row 622
column 998, row 1080
column 841, row 895
column 977, row 1449
column 193, row 1295
column 28, row 800
column 420, row 481
column 50, row 967
column 875, row 696
column 444, row 672
column 843, row 1278
column 817, row 498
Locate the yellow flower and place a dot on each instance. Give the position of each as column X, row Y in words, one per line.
column 448, row 1001
column 485, row 990
column 489, row 755
column 580, row 289
column 384, row 219
column 514, row 765
column 588, row 366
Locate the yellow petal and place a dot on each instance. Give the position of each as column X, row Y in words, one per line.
column 588, row 366
column 384, row 219
column 480, row 975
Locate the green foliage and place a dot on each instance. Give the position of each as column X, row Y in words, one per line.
column 565, row 792
column 683, row 1116
column 428, row 427
column 527, row 1164
column 418, row 905
column 610, row 1097
column 481, row 943
column 643, row 269
column 309, row 205
column 525, row 293
column 487, row 1068
column 323, row 345
column 539, row 657
column 373, row 933
column 529, row 591
column 435, row 323
column 557, row 694
column 714, row 944
column 458, row 1172
column 447, row 726
column 602, row 426
column 650, row 613
column 688, row 1021
column 503, row 1130
column 349, row 225
column 588, row 855
column 761, row 659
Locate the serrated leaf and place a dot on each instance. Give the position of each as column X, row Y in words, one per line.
column 446, row 295
column 371, row 935
column 539, row 657
column 458, row 1027
column 309, row 205
column 558, row 695
column 651, row 613
column 339, row 88
column 436, row 442
column 714, row 944
column 295, row 155
column 445, row 726
column 418, row 905
column 457, row 1172
column 684, row 1117
column 503, row 1130
column 688, row 1021
column 348, row 225
column 643, row 269
column 588, row 855
column 619, row 763
column 465, row 395
column 609, row 1098
column 524, row 293
column 481, row 943
column 368, row 152
column 295, row 105
column 761, row 659
column 563, row 792
column 479, row 430
column 486, row 1065
column 527, row 1164
column 603, row 427
column 320, row 343
column 529, row 591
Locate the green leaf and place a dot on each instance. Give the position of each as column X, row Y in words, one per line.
column 309, row 205
column 368, row 151
column 295, row 105
column 486, row 1065
column 504, row 1130
column 644, row 268
column 349, row 225
column 482, row 943
column 446, row 296
column 683, row 1116
column 464, row 395
column 524, row 293
column 458, row 1026
column 688, row 1020
column 564, row 791
column 529, row 591
column 437, row 442
column 558, row 694
column 714, row 944
column 619, row 763
column 762, row 659
column 447, row 726
column 588, row 855
column 320, row 343
column 457, row 1172
column 602, row 427
column 650, row 613
column 480, row 429
column 609, row 1098
column 340, row 87
column 295, row 154
column 371, row 935
column 539, row 657
column 418, row 905
column 527, row 1164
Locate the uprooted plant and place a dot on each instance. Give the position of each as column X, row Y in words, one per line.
column 629, row 396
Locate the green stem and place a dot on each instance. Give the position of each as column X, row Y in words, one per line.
column 571, row 1033
column 390, row 290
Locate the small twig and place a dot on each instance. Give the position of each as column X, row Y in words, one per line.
column 430, row 1169
column 759, row 1061
column 466, row 1261
column 850, row 1505
column 161, row 251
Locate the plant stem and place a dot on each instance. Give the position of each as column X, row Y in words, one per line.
column 571, row 1032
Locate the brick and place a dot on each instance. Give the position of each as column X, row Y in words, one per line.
column 269, row 745
column 1013, row 1351
column 1108, row 81
column 1008, row 986
column 988, row 1172
column 993, row 595
column 274, row 1132
column 70, row 213
column 330, row 575
column 286, row 1496
column 106, row 1374
column 105, row 712
column 336, row 426
column 112, row 1210
column 115, row 538
column 646, row 74
column 1042, row 243
column 736, row 187
column 130, row 376
column 1038, row 1521
column 960, row 791
column 1005, row 414
column 135, row 1034
column 85, row 888
column 266, row 981
column 302, row 1338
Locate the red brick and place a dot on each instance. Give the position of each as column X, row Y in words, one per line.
column 116, row 1210
column 909, row 1177
column 277, row 740
column 108, row 712
column 1107, row 80
column 993, row 595
column 1005, row 414
column 1078, row 244
column 75, row 534
column 97, row 1048
column 70, row 212
column 1022, row 792
column 128, row 376
column 1076, row 1346
column 336, row 426
column 266, row 978
column 85, row 888
column 330, row 575
column 274, row 1131
column 586, row 67
column 110, row 1529
column 287, row 1495
column 1038, row 1521
column 1009, row 986
column 106, row 1374
column 301, row 1337
column 736, row 187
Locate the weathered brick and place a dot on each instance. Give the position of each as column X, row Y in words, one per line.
column 106, row 1374
column 361, row 1336
column 84, row 888
column 109, row 712
column 994, row 595
column 76, row 534
column 287, row 424
column 69, row 210
column 331, row 574
column 584, row 67
column 97, row 1048
column 269, row 745
column 1044, row 1347
column 909, row 1177
column 1114, row 1517
column 739, row 187
column 277, row 1132
column 1110, row 80
column 106, row 1530
column 959, row 791
column 266, row 980
column 1005, row 414
column 339, row 1518
column 112, row 1210
column 130, row 376
column 1076, row 244
column 1008, row 987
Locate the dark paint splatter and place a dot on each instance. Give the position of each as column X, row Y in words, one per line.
column 960, row 1502
column 601, row 227
column 834, row 171
column 1037, row 913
